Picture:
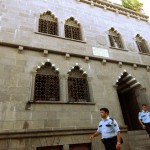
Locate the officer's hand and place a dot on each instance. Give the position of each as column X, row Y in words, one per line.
column 91, row 137
column 118, row 147
column 144, row 127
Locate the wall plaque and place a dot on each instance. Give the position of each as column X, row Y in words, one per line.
column 100, row 52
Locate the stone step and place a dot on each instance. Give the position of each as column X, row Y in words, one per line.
column 145, row 142
column 139, row 140
column 141, row 148
column 137, row 132
column 138, row 137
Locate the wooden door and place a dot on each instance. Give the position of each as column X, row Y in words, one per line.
column 130, row 109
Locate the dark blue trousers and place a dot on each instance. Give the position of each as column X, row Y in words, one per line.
column 147, row 127
column 110, row 144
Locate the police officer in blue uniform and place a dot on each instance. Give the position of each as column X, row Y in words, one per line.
column 144, row 118
column 109, row 130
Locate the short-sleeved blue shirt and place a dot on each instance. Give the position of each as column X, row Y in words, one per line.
column 144, row 116
column 108, row 128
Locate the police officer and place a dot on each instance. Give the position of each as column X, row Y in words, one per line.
column 109, row 130
column 144, row 118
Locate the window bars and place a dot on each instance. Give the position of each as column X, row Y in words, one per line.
column 141, row 44
column 72, row 29
column 46, row 84
column 48, row 23
column 78, row 89
column 115, row 39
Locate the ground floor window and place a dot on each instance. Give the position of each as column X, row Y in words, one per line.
column 86, row 146
column 60, row 147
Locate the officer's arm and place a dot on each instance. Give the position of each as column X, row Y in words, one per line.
column 118, row 145
column 142, row 123
column 116, row 128
column 94, row 135
column 140, row 120
column 118, row 138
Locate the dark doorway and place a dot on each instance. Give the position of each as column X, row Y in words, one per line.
column 128, row 89
column 130, row 109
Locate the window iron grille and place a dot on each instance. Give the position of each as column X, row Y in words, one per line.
column 78, row 86
column 48, row 24
column 46, row 84
column 141, row 44
column 72, row 29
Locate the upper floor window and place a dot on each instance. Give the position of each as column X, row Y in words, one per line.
column 48, row 23
column 141, row 44
column 115, row 39
column 72, row 29
column 46, row 83
column 78, row 89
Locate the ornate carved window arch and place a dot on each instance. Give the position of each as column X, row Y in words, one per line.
column 115, row 38
column 46, row 86
column 73, row 29
column 78, row 89
column 48, row 23
column 141, row 44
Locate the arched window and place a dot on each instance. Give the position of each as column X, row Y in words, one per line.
column 78, row 89
column 72, row 29
column 141, row 44
column 46, row 83
column 48, row 23
column 115, row 39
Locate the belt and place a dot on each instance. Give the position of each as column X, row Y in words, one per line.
column 146, row 123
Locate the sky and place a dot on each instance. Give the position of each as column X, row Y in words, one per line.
column 146, row 6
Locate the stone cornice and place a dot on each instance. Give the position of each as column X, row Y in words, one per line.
column 119, row 9
column 35, row 133
column 39, row 49
column 59, row 102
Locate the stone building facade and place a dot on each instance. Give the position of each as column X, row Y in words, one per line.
column 60, row 62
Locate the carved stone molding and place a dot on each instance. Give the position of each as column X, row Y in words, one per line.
column 119, row 9
column 20, row 49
